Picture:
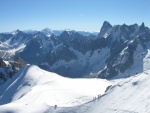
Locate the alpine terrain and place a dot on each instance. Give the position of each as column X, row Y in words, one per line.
column 106, row 72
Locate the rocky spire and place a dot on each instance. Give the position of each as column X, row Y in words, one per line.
column 106, row 25
column 142, row 27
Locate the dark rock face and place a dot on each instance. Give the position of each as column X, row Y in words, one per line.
column 2, row 63
column 105, row 27
column 7, row 70
column 63, row 54
column 71, row 54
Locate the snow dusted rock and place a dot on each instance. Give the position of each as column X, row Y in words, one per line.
column 124, row 42
column 107, row 55
column 13, row 43
column 7, row 70
column 105, row 30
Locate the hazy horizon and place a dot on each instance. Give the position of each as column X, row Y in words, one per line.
column 66, row 29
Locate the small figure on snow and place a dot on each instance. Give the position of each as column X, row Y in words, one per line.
column 55, row 106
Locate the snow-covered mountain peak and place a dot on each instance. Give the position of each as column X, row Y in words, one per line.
column 47, row 32
column 17, row 32
column 46, row 29
column 39, row 35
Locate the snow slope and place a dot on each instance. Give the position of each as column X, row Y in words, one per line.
column 35, row 90
column 129, row 95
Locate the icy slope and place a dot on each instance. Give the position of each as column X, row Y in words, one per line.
column 35, row 90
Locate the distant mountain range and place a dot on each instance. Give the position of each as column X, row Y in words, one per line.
column 117, row 51
column 48, row 32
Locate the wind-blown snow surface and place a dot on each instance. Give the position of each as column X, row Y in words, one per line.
column 35, row 90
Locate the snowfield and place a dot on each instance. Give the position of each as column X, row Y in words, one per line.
column 130, row 95
column 33, row 90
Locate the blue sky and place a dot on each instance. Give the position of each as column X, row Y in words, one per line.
column 85, row 15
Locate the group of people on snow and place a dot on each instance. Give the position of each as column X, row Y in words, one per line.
column 94, row 98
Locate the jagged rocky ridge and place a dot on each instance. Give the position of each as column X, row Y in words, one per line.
column 109, row 54
column 8, row 69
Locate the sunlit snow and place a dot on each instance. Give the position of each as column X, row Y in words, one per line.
column 34, row 87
